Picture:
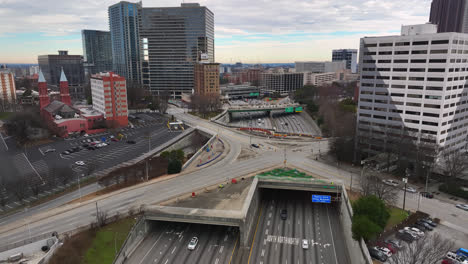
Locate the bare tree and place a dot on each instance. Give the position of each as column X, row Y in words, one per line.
column 453, row 163
column 430, row 249
column 373, row 185
column 101, row 218
column 163, row 102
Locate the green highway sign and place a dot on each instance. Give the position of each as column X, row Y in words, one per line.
column 289, row 110
column 299, row 109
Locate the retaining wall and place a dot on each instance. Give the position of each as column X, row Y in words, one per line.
column 186, row 164
column 134, row 238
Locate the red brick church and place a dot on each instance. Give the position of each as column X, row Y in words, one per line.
column 64, row 119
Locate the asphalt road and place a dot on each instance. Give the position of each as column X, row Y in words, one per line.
column 168, row 242
column 280, row 241
column 70, row 217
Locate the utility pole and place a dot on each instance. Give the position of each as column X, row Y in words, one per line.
column 419, row 199
column 79, row 186
column 149, row 149
column 427, row 178
column 97, row 214
column 351, row 184
column 405, row 180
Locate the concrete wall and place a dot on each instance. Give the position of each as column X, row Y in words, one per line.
column 134, row 238
column 199, row 152
column 357, row 250
column 250, row 213
column 27, row 250
column 186, row 141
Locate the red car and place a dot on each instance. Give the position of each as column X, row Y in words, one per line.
column 387, row 245
column 447, row 261
column 114, row 139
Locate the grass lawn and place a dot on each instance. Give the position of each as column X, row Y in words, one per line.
column 108, row 240
column 4, row 115
column 397, row 215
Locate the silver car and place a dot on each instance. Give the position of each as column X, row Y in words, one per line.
column 193, row 243
column 462, row 206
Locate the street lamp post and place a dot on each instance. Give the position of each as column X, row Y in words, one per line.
column 405, row 180
column 79, row 186
column 427, row 178
column 351, row 184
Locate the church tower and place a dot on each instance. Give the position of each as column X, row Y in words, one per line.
column 44, row 99
column 64, row 91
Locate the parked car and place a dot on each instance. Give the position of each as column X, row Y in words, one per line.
column 385, row 250
column 284, row 214
column 91, row 148
column 427, row 195
column 390, row 246
column 76, row 149
column 425, row 225
column 429, row 221
column 66, row 152
column 415, row 230
column 377, row 254
column 410, row 189
column 305, row 243
column 255, row 145
column 49, row 150
column 114, row 139
column 406, row 236
column 88, row 140
column 395, row 243
column 193, row 243
column 462, row 206
column 131, row 142
column 80, row 163
column 391, row 182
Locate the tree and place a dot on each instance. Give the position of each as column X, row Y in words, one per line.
column 19, row 125
column 135, row 94
column 363, row 227
column 374, row 208
column 163, row 102
column 18, row 187
column 430, row 249
column 373, row 185
column 453, row 163
column 174, row 166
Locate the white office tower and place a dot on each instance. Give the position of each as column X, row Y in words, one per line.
column 413, row 86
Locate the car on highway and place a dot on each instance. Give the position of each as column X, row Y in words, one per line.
column 193, row 243
column 385, row 250
column 49, row 150
column 80, row 163
column 377, row 254
column 462, row 206
column 284, row 214
column 131, row 142
column 66, row 152
column 410, row 189
column 305, row 243
column 427, row 195
column 390, row 182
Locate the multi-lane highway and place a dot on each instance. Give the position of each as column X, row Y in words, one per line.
column 70, row 217
column 280, row 240
column 168, row 243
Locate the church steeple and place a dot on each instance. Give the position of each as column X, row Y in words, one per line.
column 44, row 99
column 64, row 91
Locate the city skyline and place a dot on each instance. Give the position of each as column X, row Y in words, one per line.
column 281, row 32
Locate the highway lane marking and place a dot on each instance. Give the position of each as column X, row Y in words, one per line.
column 217, row 260
column 173, row 250
column 167, row 260
column 331, row 232
column 157, row 240
column 225, row 238
column 268, row 223
column 263, row 252
column 221, row 249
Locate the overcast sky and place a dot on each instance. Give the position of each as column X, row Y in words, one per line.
column 251, row 31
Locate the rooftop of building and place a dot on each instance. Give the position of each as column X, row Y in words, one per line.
column 88, row 111
column 58, row 106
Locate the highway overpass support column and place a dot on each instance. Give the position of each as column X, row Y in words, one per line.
column 249, row 223
column 229, row 117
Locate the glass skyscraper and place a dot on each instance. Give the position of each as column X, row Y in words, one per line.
column 173, row 39
column 123, row 24
column 97, row 51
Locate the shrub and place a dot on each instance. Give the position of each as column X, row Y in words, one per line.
column 363, row 227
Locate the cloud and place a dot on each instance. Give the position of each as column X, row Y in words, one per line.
column 260, row 21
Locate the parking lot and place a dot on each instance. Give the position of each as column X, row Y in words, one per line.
column 168, row 243
column 280, row 240
column 39, row 165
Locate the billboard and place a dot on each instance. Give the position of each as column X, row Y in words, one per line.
column 321, row 198
column 289, row 110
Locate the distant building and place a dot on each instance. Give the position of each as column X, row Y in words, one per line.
column 174, row 40
column 7, row 87
column 348, row 55
column 320, row 66
column 450, row 15
column 282, row 83
column 206, row 78
column 123, row 24
column 241, row 91
column 51, row 66
column 97, row 51
column 109, row 92
column 319, row 79
column 33, row 70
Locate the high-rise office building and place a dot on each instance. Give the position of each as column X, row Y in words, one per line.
column 109, row 92
column 123, row 24
column 174, row 39
column 450, row 15
column 206, row 78
column 97, row 51
column 320, row 66
column 51, row 66
column 413, row 87
column 282, row 83
column 7, row 86
column 348, row 55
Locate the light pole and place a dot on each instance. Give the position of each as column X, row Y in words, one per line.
column 351, row 184
column 27, row 223
column 419, row 199
column 405, row 180
column 149, row 149
column 79, row 186
column 427, row 178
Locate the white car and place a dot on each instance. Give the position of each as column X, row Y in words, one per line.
column 193, row 243
column 305, row 243
column 49, row 150
column 410, row 189
column 462, row 206
column 415, row 230
column 80, row 163
column 390, row 182
column 385, row 250
column 409, row 233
